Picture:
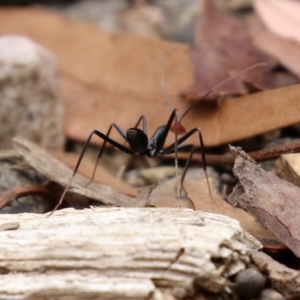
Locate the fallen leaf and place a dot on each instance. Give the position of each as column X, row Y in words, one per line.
column 126, row 83
column 217, row 124
column 272, row 201
column 199, row 198
column 287, row 51
column 223, row 48
column 52, row 168
column 280, row 17
column 86, row 168
column 197, row 192
column 165, row 195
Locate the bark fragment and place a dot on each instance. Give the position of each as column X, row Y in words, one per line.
column 272, row 201
column 172, row 250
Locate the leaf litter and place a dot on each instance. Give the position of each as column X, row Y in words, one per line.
column 271, row 200
column 284, row 279
column 222, row 48
column 58, row 172
column 132, row 82
column 133, row 86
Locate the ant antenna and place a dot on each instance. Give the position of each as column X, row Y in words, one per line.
column 220, row 84
column 164, row 90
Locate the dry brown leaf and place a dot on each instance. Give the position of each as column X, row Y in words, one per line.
column 233, row 120
column 198, row 198
column 273, row 202
column 223, row 48
column 282, row 17
column 111, row 77
column 198, row 193
column 165, row 195
column 102, row 176
column 282, row 278
column 52, row 168
column 285, row 50
column 106, row 77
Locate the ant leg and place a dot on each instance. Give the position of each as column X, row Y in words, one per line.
column 122, row 133
column 192, row 150
column 106, row 139
column 144, row 119
column 176, row 153
column 159, row 137
column 171, row 149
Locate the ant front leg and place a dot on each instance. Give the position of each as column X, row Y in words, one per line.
column 173, row 147
column 158, row 139
column 106, row 139
column 122, row 133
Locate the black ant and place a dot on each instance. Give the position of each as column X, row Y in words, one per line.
column 141, row 145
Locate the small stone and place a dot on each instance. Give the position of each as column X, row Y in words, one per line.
column 249, row 283
column 270, row 294
column 29, row 93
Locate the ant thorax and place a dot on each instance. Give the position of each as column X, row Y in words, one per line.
column 157, row 141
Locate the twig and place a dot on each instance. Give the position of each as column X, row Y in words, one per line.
column 259, row 155
column 22, row 192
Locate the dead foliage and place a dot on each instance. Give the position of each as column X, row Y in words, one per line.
column 108, row 77
column 272, row 201
column 128, row 79
column 222, row 48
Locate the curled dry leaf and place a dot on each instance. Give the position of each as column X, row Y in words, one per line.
column 52, row 168
column 223, row 48
column 272, row 201
column 282, row 278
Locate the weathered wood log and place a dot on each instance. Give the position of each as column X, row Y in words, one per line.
column 120, row 253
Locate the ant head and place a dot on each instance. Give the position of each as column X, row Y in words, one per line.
column 137, row 139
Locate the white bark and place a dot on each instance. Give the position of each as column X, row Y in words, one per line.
column 119, row 253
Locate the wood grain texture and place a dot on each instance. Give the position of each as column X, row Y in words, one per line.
column 120, row 253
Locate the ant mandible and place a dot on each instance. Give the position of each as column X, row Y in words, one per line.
column 141, row 145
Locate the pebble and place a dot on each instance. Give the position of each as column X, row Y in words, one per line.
column 249, row 284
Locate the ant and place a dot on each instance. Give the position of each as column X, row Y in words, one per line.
column 141, row 145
